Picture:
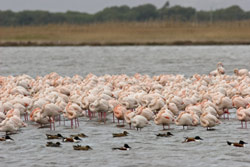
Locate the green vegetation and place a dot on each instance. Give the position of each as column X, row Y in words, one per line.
column 147, row 12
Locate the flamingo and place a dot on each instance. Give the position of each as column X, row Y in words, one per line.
column 208, row 120
column 243, row 115
column 164, row 117
column 12, row 122
column 37, row 117
column 184, row 119
column 101, row 106
column 240, row 72
column 146, row 112
column 119, row 112
column 8, row 126
column 219, row 70
column 128, row 116
column 51, row 110
column 139, row 122
column 73, row 111
column 238, row 101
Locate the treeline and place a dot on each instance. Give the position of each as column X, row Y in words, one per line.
column 147, row 12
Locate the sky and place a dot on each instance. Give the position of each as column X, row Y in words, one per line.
column 93, row 6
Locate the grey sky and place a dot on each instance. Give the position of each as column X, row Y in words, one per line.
column 92, row 6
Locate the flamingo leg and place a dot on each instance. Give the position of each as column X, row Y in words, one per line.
column 59, row 118
column 104, row 117
column 75, row 124
column 24, row 116
column 241, row 124
column 163, row 127
column 246, row 124
column 227, row 112
column 113, row 117
column 50, row 123
column 71, row 123
column 100, row 116
column 53, row 123
column 89, row 113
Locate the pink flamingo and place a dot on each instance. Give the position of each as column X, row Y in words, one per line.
column 73, row 111
column 164, row 117
column 208, row 120
column 51, row 110
column 243, row 115
column 119, row 111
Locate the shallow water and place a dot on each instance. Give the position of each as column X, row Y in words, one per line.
column 29, row 149
column 151, row 60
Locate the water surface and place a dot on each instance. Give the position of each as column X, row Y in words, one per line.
column 147, row 150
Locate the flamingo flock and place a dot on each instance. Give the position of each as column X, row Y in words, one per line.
column 166, row 100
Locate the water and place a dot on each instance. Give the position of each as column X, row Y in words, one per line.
column 147, row 150
column 151, row 60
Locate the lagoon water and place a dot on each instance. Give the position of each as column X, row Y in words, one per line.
column 151, row 60
column 29, row 149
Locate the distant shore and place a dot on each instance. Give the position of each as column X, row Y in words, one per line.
column 174, row 43
column 128, row 34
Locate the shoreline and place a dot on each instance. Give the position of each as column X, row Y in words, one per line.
column 174, row 43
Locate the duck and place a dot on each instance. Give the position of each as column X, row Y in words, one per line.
column 191, row 139
column 124, row 148
column 6, row 138
column 168, row 134
column 75, row 139
column 58, row 136
column 79, row 147
column 51, row 144
column 240, row 144
column 82, row 135
column 125, row 133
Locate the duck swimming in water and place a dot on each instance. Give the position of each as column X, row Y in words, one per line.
column 240, row 144
column 51, row 144
column 84, row 148
column 58, row 136
column 191, row 139
column 125, row 133
column 168, row 134
column 6, row 138
column 124, row 148
column 75, row 139
column 82, row 135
